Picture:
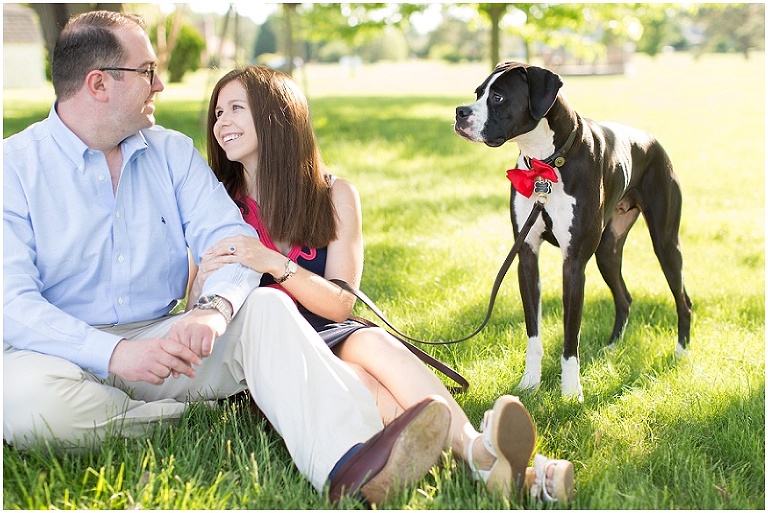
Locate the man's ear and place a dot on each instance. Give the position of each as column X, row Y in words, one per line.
column 96, row 84
column 543, row 86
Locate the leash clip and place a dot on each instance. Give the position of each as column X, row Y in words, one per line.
column 542, row 188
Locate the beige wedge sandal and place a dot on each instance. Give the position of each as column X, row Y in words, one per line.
column 509, row 435
column 561, row 480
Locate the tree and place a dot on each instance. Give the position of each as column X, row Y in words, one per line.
column 657, row 21
column 494, row 13
column 456, row 40
column 389, row 45
column 266, row 40
column 541, row 22
column 289, row 11
column 166, row 35
column 53, row 17
column 187, row 49
column 589, row 29
column 738, row 27
column 354, row 24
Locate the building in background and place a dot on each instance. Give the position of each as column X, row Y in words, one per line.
column 23, row 48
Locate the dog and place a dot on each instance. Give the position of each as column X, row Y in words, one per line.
column 599, row 178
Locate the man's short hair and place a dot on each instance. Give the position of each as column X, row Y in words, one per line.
column 88, row 42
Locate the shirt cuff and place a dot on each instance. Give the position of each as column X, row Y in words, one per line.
column 232, row 282
column 97, row 351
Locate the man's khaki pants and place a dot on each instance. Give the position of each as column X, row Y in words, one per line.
column 316, row 403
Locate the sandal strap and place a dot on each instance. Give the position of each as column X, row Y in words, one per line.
column 484, row 429
column 476, row 474
column 539, row 489
column 485, row 434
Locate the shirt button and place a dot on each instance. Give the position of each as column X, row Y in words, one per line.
column 121, row 259
column 120, row 301
column 101, row 178
column 117, row 214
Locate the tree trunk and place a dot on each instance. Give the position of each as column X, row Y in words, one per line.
column 53, row 17
column 495, row 12
column 289, row 10
column 166, row 42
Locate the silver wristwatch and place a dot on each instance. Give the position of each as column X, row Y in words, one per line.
column 215, row 303
column 290, row 270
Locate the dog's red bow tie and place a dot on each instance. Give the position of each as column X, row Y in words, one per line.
column 523, row 179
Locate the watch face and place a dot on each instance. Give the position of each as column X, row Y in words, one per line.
column 292, row 267
column 204, row 300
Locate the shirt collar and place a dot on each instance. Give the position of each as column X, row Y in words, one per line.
column 133, row 144
column 70, row 144
column 75, row 149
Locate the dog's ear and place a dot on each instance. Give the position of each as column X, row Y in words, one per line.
column 543, row 86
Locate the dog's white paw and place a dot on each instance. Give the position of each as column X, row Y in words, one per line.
column 530, row 381
column 680, row 351
column 571, row 385
column 532, row 374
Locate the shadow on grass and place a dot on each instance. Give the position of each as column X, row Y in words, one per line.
column 448, row 319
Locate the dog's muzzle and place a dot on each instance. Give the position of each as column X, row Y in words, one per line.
column 466, row 125
column 463, row 124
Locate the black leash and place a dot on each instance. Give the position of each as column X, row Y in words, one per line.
column 426, row 358
column 538, row 206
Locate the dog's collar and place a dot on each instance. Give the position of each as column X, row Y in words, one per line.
column 557, row 159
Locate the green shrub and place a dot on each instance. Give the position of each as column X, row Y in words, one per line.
column 187, row 53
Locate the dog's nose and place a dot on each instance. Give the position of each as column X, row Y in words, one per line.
column 463, row 112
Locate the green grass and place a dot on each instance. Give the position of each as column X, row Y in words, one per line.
column 654, row 432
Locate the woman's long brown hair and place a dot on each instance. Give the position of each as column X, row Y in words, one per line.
column 293, row 195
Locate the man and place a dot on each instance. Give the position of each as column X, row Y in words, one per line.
column 99, row 209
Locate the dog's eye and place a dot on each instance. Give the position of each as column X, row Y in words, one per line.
column 497, row 98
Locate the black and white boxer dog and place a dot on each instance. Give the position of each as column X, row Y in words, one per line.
column 596, row 179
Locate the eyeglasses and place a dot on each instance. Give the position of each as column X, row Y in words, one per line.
column 150, row 72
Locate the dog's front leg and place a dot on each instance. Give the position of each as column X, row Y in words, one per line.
column 530, row 293
column 574, row 279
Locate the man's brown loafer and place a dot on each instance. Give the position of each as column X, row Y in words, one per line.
column 397, row 456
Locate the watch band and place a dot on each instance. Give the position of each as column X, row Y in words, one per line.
column 290, row 269
column 215, row 303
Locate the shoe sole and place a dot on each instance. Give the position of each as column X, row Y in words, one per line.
column 415, row 451
column 513, row 438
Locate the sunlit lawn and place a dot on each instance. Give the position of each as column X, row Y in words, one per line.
column 653, row 432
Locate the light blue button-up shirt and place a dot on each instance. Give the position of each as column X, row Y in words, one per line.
column 77, row 255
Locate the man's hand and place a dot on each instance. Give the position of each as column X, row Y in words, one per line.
column 156, row 359
column 152, row 360
column 198, row 329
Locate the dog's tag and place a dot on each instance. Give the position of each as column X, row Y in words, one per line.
column 542, row 186
column 559, row 161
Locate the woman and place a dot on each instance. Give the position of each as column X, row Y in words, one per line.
column 262, row 147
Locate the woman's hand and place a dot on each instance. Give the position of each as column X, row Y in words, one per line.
column 241, row 249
